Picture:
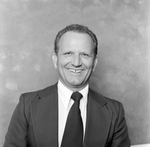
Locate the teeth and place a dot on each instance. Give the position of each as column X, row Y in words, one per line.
column 78, row 71
column 75, row 71
column 72, row 70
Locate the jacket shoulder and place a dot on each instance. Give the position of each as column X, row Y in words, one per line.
column 110, row 103
column 35, row 95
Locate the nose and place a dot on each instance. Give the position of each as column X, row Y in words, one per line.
column 76, row 60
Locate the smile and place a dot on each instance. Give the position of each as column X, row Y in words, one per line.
column 75, row 70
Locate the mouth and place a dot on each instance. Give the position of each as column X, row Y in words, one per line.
column 75, row 70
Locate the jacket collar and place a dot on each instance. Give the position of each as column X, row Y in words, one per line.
column 45, row 93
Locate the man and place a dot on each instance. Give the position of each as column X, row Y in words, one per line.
column 41, row 118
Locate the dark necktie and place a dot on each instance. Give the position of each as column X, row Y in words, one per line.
column 73, row 134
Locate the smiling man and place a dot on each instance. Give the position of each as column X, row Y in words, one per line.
column 75, row 59
column 69, row 113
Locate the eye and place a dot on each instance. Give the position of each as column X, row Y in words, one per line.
column 68, row 53
column 85, row 55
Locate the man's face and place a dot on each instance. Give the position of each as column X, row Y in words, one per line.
column 75, row 60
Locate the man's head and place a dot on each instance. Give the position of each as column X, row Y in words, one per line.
column 75, row 56
column 76, row 28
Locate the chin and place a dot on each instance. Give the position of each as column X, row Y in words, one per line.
column 77, row 84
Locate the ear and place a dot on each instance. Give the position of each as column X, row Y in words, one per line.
column 54, row 58
column 95, row 63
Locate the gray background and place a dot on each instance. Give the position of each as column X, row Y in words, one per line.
column 27, row 32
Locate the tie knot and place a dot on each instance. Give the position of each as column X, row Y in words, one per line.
column 76, row 96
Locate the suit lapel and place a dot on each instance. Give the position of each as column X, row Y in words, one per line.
column 45, row 117
column 98, row 121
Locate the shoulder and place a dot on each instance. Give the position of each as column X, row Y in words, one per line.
column 38, row 94
column 109, row 103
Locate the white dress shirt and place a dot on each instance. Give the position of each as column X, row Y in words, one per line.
column 64, row 104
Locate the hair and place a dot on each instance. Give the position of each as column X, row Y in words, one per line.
column 75, row 28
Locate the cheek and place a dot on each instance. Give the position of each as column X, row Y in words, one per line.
column 62, row 66
column 60, row 62
column 88, row 64
column 63, row 60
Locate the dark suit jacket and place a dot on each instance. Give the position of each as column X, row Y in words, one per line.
column 35, row 121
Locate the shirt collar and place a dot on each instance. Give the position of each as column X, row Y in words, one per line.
column 65, row 93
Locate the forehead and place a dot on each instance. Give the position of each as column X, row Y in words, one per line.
column 76, row 38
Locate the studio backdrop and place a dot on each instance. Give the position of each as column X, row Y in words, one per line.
column 27, row 32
